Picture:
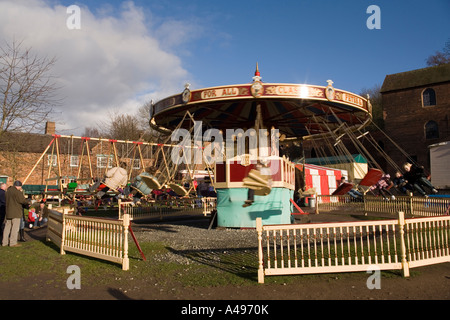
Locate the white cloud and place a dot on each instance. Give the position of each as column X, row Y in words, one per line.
column 113, row 62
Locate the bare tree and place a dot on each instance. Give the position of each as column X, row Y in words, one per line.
column 440, row 57
column 123, row 127
column 376, row 102
column 27, row 89
column 143, row 116
column 92, row 132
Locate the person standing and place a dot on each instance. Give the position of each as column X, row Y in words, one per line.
column 15, row 201
column 2, row 207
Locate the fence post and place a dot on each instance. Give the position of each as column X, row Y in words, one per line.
column 365, row 209
column 260, row 251
column 63, row 231
column 126, row 224
column 405, row 263
column 316, row 209
column 411, row 210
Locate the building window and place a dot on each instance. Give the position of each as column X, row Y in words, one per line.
column 103, row 161
column 428, row 97
column 52, row 160
column 74, row 162
column 136, row 164
column 431, row 130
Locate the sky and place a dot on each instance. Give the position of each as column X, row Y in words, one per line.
column 122, row 54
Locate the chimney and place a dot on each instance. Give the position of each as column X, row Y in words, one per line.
column 50, row 128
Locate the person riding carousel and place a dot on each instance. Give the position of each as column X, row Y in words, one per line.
column 115, row 179
column 383, row 185
column 415, row 176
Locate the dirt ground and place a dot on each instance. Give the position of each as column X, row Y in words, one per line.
column 431, row 283
column 426, row 283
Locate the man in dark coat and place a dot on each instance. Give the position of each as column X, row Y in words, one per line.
column 15, row 201
column 2, row 207
column 415, row 176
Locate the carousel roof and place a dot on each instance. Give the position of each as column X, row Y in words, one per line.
column 297, row 110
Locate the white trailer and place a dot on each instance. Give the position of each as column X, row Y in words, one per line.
column 440, row 165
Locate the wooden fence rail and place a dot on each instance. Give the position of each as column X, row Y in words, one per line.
column 417, row 206
column 100, row 238
column 352, row 246
column 165, row 208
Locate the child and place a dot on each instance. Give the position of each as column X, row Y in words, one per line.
column 401, row 184
column 383, row 186
column 33, row 218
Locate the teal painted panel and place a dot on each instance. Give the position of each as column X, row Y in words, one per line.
column 274, row 208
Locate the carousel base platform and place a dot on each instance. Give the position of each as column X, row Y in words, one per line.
column 274, row 208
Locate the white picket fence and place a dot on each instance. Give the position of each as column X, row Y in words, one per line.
column 417, row 206
column 100, row 238
column 397, row 244
column 165, row 208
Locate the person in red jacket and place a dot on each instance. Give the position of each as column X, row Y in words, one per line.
column 33, row 218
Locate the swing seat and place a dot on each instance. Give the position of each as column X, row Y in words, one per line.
column 342, row 189
column 82, row 187
column 307, row 193
column 101, row 187
column 72, row 186
column 256, row 181
column 179, row 190
column 110, row 188
column 151, row 182
column 142, row 189
column 140, row 184
column 371, row 178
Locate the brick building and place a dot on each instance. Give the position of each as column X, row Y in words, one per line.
column 416, row 113
column 20, row 152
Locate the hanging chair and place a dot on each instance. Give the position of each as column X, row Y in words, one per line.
column 140, row 185
column 371, row 178
column 342, row 189
column 151, row 182
column 165, row 170
column 256, row 181
column 178, row 189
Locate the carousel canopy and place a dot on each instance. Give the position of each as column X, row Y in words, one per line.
column 296, row 110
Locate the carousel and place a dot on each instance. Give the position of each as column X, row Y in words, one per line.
column 240, row 129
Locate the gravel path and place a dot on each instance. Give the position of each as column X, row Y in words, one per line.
column 191, row 234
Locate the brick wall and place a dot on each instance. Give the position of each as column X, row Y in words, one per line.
column 17, row 165
column 405, row 120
